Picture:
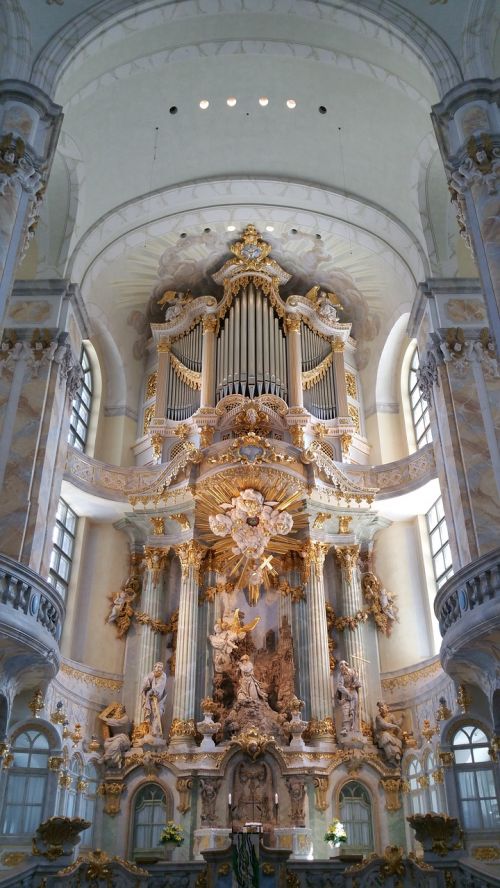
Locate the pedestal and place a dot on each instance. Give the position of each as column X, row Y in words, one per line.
column 210, row 838
column 296, row 839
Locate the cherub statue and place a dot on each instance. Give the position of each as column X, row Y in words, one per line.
column 227, row 632
column 176, row 303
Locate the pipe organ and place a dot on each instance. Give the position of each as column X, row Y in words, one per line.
column 184, row 379
column 318, row 374
column 251, row 348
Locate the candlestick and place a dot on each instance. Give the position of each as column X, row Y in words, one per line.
column 276, row 799
column 229, row 799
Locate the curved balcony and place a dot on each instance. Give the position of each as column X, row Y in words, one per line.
column 468, row 610
column 31, row 621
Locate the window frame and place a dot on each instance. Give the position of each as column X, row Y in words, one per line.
column 25, row 773
column 80, row 411
column 370, row 809
column 443, row 551
column 473, row 768
column 142, row 852
column 67, row 535
column 420, row 404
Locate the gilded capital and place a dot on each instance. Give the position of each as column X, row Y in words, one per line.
column 209, row 323
column 347, row 558
column 314, row 553
column 292, row 324
column 155, row 557
column 190, row 554
column 164, row 345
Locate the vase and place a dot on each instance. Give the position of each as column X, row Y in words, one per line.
column 168, row 849
column 335, row 850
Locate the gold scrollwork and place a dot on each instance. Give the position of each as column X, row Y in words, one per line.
column 151, row 385
column 350, row 381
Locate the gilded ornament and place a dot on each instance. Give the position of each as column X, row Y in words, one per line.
column 311, row 378
column 183, row 430
column 156, row 625
column 98, row 866
column 292, row 880
column 393, row 864
column 184, row 786
column 443, row 712
column 392, row 788
column 320, row 792
column 202, row 879
column 347, row 558
column 181, row 519
column 94, row 745
column 13, row 858
column 486, row 852
column 463, row 699
column 321, row 727
column 81, row 785
column 423, row 781
column 402, row 681
column 191, row 555
column 314, row 553
column 149, row 413
column 111, row 792
column 320, row 520
column 297, row 436
column 292, row 323
column 36, row 703
column 209, row 323
column 345, row 443
column 447, row 759
column 158, row 525
column 151, row 385
column 224, row 869
column 58, row 717
column 191, row 378
column 157, row 446
column 253, row 742
column 206, row 435
column 155, row 557
column 428, row 730
column 182, row 728
column 354, row 415
column 268, row 869
column 55, row 762
column 494, row 748
column 350, row 381
column 438, row 776
column 345, row 523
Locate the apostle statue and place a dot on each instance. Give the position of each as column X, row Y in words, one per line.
column 348, row 686
column 388, row 735
column 249, row 688
column 153, row 699
column 116, row 729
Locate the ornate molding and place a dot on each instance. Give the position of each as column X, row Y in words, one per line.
column 155, row 557
column 314, row 553
column 192, row 378
column 311, row 377
column 191, row 555
column 347, row 558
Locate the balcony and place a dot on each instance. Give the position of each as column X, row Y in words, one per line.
column 31, row 620
column 468, row 610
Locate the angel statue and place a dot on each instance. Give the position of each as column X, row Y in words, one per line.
column 227, row 632
column 251, row 521
column 176, row 303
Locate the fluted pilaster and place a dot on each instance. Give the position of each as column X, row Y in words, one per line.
column 182, row 731
column 155, row 559
column 207, row 394
column 319, row 662
column 295, row 394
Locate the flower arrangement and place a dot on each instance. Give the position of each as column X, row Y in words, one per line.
column 173, row 833
column 335, row 833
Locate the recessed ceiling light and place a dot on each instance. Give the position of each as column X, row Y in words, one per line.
column 263, row 101
column 231, row 101
column 173, row 109
column 291, row 103
column 231, row 228
column 322, row 109
column 269, row 227
column 204, row 104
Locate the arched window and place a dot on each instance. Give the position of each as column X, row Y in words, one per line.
column 356, row 815
column 81, row 407
column 88, row 803
column 26, row 784
column 416, row 794
column 150, row 816
column 419, row 406
column 63, row 544
column 475, row 779
column 439, row 540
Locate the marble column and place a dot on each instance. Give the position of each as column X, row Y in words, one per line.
column 162, row 379
column 295, row 393
column 300, row 635
column 320, row 686
column 183, row 729
column 207, row 394
column 149, row 649
column 460, row 379
column 467, row 125
column 39, row 376
column 355, row 640
column 29, row 129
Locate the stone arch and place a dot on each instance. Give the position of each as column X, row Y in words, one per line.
column 15, row 41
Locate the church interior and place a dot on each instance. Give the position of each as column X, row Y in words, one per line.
column 249, row 443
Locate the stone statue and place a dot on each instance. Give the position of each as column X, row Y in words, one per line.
column 249, row 688
column 348, row 685
column 388, row 735
column 116, row 730
column 153, row 699
column 209, row 787
column 297, row 791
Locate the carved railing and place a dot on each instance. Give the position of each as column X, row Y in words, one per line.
column 22, row 590
column 472, row 588
column 395, row 478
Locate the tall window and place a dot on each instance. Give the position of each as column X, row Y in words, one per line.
column 26, row 784
column 475, row 780
column 440, row 544
column 80, row 410
column 87, row 809
column 150, row 816
column 356, row 815
column 424, row 791
column 419, row 406
column 416, row 790
column 63, row 542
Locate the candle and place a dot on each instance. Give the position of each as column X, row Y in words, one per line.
column 229, row 799
column 276, row 799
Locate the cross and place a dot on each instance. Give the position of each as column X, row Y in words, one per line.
column 360, row 658
column 266, row 563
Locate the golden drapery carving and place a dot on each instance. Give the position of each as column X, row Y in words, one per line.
column 191, row 377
